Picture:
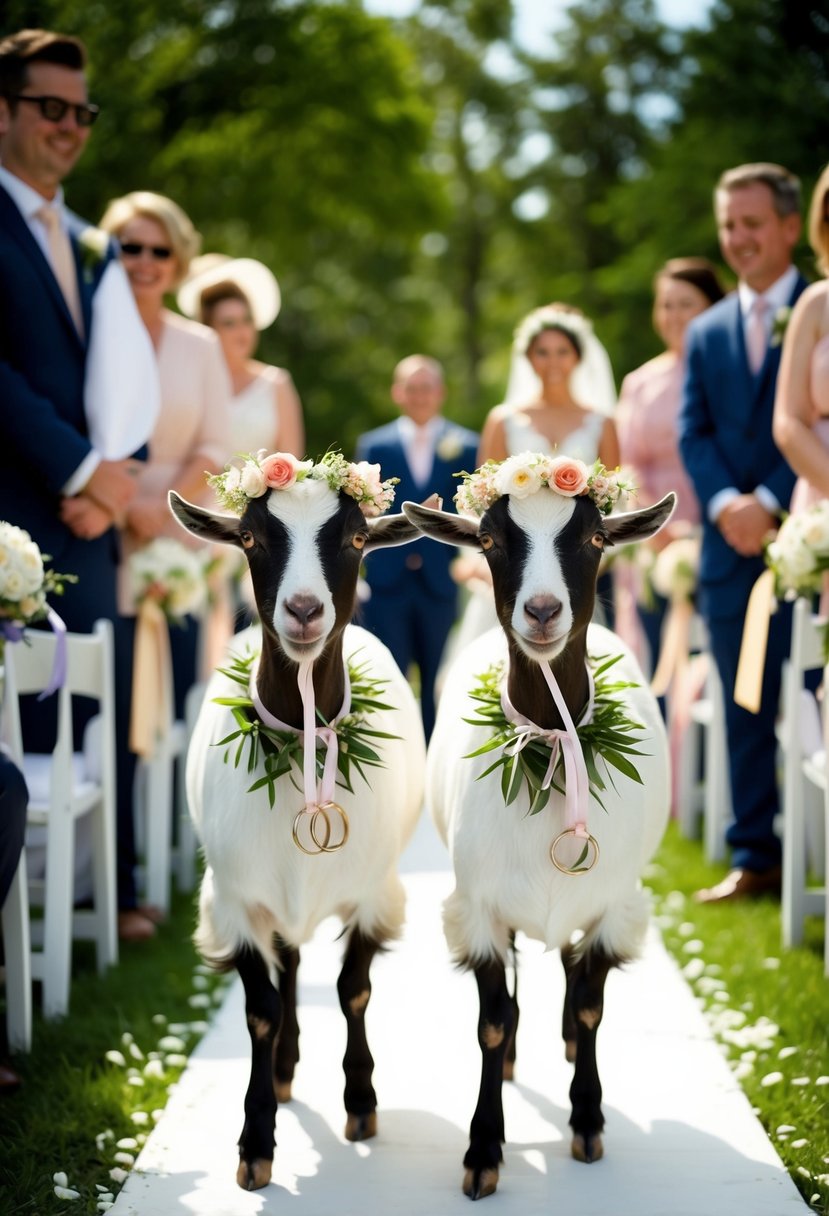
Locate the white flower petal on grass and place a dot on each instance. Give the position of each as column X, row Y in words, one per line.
column 749, row 1057
column 742, row 1070
column 154, row 1068
column 124, row 1158
column 804, row 1173
column 126, row 1038
column 785, row 1052
column 116, row 1057
column 201, row 982
column 126, row 1142
column 136, row 1052
column 104, row 1190
column 771, row 964
column 140, row 1117
column 785, row 1128
column 118, row 1175
column 135, row 1081
column 176, row 1060
column 693, row 969
column 771, row 1078
column 65, row 1192
column 799, row 1143
column 177, row 1028
column 822, row 1081
column 142, row 1138
column 60, row 1179
column 171, row 1042
column 801, row 1080
column 199, row 1027
column 675, row 900
column 200, row 1001
column 695, row 946
column 159, row 1019
column 686, row 929
column 157, row 1113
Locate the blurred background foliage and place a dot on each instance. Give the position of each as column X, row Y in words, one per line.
column 420, row 183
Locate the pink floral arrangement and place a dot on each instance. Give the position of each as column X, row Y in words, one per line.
column 525, row 474
column 239, row 483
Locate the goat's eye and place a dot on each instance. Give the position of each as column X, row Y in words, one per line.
column 597, row 539
column 358, row 540
column 485, row 541
column 246, row 538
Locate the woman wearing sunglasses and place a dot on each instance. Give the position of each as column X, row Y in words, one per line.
column 158, row 241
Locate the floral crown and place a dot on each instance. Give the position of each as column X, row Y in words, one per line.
column 525, row 474
column 237, row 485
column 575, row 325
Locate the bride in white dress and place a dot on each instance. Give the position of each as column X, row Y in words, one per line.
column 560, row 397
column 239, row 297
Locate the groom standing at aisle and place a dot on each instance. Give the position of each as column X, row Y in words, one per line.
column 53, row 482
column 743, row 484
column 414, row 599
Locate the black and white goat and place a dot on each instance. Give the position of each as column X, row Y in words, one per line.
column 543, row 551
column 262, row 897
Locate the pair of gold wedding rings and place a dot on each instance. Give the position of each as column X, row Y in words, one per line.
column 585, row 862
column 320, row 826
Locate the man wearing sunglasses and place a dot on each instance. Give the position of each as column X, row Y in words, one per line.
column 53, row 482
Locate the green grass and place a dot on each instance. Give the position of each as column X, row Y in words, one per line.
column 768, row 1007
column 75, row 1105
column 71, row 1094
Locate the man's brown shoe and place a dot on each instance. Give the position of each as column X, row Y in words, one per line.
column 742, row 884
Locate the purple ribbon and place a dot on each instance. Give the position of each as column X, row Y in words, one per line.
column 58, row 677
column 10, row 631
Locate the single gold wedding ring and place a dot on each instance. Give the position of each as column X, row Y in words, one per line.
column 582, row 865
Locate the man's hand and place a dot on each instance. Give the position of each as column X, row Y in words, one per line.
column 113, row 485
column 84, row 517
column 745, row 523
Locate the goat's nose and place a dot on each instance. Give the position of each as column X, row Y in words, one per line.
column 305, row 608
column 542, row 609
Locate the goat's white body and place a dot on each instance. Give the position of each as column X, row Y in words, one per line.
column 504, row 877
column 257, row 882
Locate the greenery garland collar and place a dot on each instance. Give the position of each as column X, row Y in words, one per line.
column 606, row 734
column 281, row 752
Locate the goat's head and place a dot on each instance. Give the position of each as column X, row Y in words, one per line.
column 304, row 549
column 543, row 551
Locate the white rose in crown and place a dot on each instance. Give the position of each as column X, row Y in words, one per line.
column 450, row 445
column 252, row 480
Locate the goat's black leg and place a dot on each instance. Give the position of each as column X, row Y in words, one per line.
column 287, row 1047
column 354, row 990
column 263, row 1009
column 509, row 1057
column 587, row 981
column 486, row 1134
column 568, row 1020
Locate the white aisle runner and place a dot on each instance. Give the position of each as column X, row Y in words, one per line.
column 680, row 1137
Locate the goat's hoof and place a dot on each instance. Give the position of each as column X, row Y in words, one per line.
column 477, row 1184
column 361, row 1127
column 587, row 1148
column 570, row 1050
column 251, row 1175
column 282, row 1089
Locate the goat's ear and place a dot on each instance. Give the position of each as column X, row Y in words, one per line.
column 632, row 526
column 388, row 530
column 204, row 524
column 445, row 526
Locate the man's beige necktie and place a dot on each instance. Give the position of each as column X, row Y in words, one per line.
column 757, row 335
column 63, row 263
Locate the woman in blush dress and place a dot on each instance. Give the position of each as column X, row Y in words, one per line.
column 239, row 298
column 801, row 406
column 646, row 419
column 158, row 242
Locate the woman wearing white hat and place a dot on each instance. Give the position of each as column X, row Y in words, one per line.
column 239, row 297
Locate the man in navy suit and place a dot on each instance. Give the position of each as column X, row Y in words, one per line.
column 743, row 484
column 413, row 598
column 52, row 482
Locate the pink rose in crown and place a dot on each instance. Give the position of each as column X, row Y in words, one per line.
column 567, row 476
column 279, row 470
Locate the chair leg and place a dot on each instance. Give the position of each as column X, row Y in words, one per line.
column 57, row 937
column 793, row 894
column 158, row 824
column 104, row 885
column 18, row 950
column 187, row 844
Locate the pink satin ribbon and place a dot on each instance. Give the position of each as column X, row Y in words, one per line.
column 311, row 736
column 576, row 780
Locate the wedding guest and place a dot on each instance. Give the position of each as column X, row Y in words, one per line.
column 646, row 421
column 801, row 407
column 414, row 599
column 53, row 481
column 743, row 483
column 239, row 298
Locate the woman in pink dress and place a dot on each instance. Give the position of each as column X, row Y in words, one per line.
column 801, row 407
column 646, row 422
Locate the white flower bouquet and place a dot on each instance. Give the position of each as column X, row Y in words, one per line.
column 25, row 582
column 676, row 569
column 799, row 554
column 172, row 575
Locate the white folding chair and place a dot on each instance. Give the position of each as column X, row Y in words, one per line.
column 18, row 965
column 62, row 789
column 805, row 786
column 154, row 801
column 186, row 849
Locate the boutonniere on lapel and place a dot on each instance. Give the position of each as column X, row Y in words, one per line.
column 779, row 325
column 93, row 244
column 450, row 445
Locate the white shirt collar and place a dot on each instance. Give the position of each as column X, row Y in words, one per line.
column 408, row 429
column 25, row 197
column 778, row 295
